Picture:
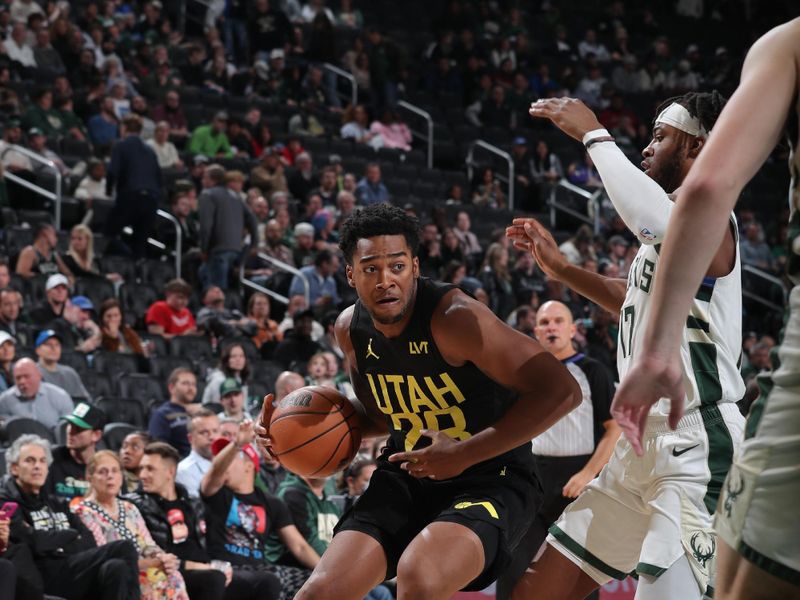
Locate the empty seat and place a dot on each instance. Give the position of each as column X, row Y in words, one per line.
column 99, row 385
column 17, row 426
column 158, row 345
column 162, row 366
column 96, row 289
column 16, row 239
column 121, row 265
column 115, row 364
column 192, row 347
column 136, row 298
column 157, row 273
column 76, row 360
column 114, row 434
column 256, row 390
column 145, row 388
column 265, row 371
column 124, row 410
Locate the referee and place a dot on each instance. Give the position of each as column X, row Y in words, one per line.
column 135, row 173
column 573, row 451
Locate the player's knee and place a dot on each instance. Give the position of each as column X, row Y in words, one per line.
column 416, row 581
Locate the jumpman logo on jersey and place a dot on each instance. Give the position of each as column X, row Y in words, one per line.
column 370, row 352
column 487, row 505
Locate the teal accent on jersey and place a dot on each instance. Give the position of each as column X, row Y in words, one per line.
column 770, row 566
column 584, row 554
column 704, row 365
column 651, row 570
column 695, row 323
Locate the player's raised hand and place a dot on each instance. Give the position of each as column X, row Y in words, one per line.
column 262, row 426
column 571, row 116
column 440, row 460
column 646, row 383
column 528, row 234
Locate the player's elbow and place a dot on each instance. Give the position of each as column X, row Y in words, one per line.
column 571, row 396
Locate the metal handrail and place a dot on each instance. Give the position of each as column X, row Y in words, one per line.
column 345, row 75
column 502, row 154
column 755, row 271
column 32, row 186
column 427, row 116
column 282, row 266
column 178, row 238
column 592, row 219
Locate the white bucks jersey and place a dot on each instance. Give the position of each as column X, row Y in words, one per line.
column 712, row 335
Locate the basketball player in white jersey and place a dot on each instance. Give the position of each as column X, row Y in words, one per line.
column 757, row 520
column 651, row 514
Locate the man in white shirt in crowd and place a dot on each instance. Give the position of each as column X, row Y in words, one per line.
column 203, row 429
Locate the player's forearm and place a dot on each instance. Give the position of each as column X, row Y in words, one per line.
column 640, row 201
column 605, row 448
column 695, row 232
column 533, row 413
column 605, row 291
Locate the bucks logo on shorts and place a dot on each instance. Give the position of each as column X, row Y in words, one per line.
column 734, row 486
column 703, row 545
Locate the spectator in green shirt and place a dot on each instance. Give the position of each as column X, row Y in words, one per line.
column 43, row 116
column 211, row 140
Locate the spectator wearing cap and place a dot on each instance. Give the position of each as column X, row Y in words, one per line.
column 52, row 309
column 171, row 317
column 168, row 422
column 211, row 139
column 303, row 252
column 172, row 113
column 223, row 219
column 8, row 348
column 166, row 153
column 230, row 484
column 269, row 175
column 297, row 345
column 136, row 176
column 67, row 477
column 41, row 257
column 33, row 398
column 371, row 190
column 48, row 349
column 87, row 334
column 203, row 428
column 232, row 397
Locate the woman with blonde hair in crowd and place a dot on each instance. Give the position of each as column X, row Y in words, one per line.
column 496, row 280
column 80, row 258
column 110, row 518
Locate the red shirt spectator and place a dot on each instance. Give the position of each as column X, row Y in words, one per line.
column 170, row 317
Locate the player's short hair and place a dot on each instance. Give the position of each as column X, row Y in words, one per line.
column 704, row 106
column 375, row 220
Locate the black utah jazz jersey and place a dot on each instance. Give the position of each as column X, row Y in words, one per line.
column 415, row 388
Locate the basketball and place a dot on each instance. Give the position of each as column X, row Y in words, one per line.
column 314, row 431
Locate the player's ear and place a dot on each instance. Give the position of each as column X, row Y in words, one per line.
column 415, row 266
column 348, row 271
column 696, row 145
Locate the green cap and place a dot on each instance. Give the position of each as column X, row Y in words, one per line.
column 229, row 386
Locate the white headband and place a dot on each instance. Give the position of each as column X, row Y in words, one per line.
column 677, row 116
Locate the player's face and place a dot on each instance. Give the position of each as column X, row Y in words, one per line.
column 665, row 157
column 384, row 273
column 554, row 328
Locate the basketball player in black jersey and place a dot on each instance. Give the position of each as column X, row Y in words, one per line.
column 461, row 395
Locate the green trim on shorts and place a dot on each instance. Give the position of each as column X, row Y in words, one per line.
column 585, row 555
column 765, row 387
column 769, row 565
column 720, row 454
column 709, row 591
column 648, row 569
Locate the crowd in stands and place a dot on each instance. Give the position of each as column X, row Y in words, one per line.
column 127, row 381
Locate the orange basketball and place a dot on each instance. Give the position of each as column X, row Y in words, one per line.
column 314, row 431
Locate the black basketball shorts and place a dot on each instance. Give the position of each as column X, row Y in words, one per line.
column 497, row 502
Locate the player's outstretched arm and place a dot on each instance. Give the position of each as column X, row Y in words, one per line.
column 467, row 331
column 745, row 133
column 641, row 202
column 528, row 234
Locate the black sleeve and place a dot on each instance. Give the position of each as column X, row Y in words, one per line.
column 601, row 384
column 217, row 503
column 295, row 500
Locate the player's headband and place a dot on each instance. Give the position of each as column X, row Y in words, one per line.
column 677, row 116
